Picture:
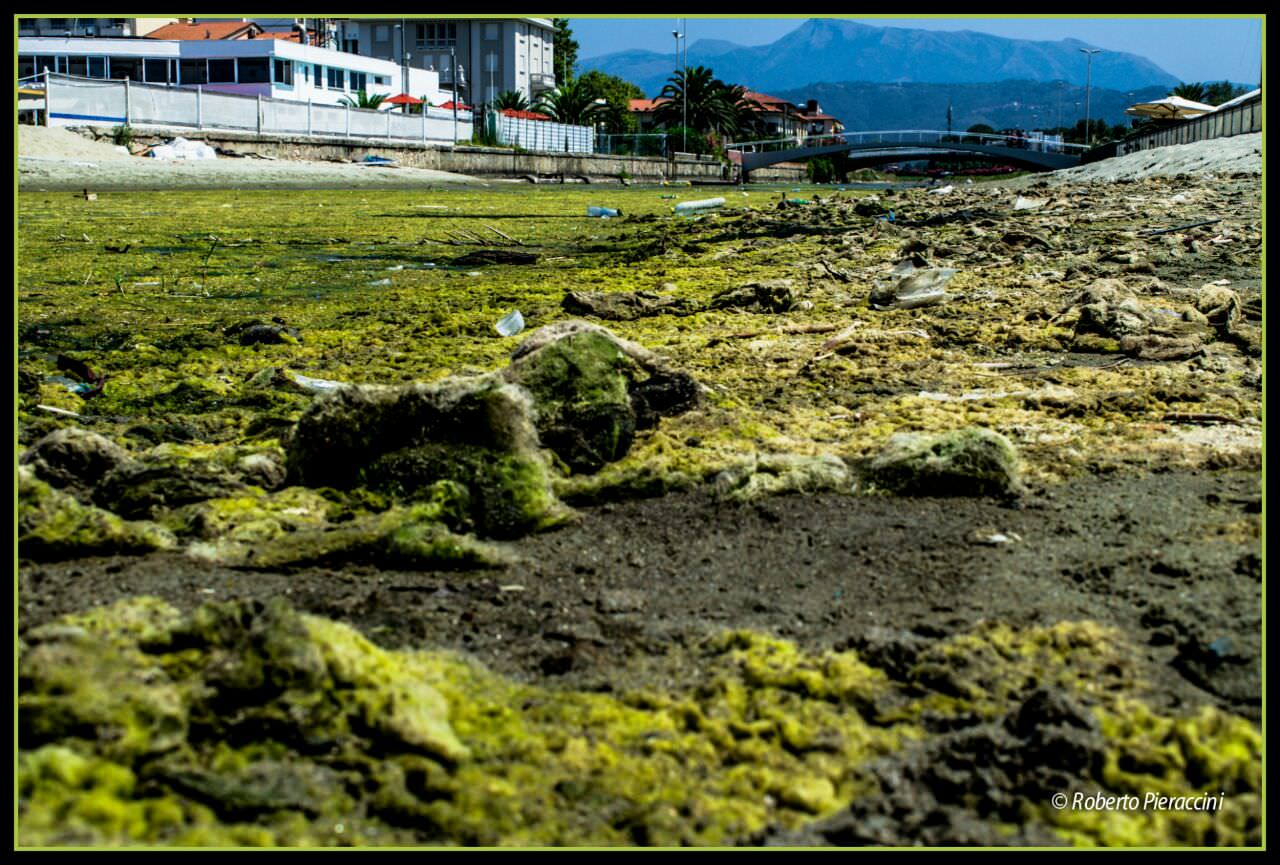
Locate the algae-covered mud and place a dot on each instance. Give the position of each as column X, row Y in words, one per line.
column 819, row 518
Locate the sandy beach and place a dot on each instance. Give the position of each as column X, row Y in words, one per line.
column 54, row 159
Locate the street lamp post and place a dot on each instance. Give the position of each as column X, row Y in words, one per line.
column 453, row 76
column 1088, row 87
column 683, row 72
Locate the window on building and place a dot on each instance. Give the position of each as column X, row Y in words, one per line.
column 490, row 30
column 381, row 32
column 194, row 72
column 336, row 78
column 382, row 79
column 359, row 80
column 255, row 70
column 283, row 73
column 26, row 65
column 156, row 71
column 97, row 67
column 221, row 71
column 126, row 67
column 317, row 71
column 46, row 61
column 441, row 34
column 77, row 66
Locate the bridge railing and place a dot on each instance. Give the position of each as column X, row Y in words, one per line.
column 900, row 137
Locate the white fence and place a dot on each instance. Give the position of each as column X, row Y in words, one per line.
column 544, row 135
column 76, row 101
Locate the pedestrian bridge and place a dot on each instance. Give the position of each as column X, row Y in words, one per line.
column 875, row 148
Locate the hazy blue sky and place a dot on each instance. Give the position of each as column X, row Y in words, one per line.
column 1194, row 49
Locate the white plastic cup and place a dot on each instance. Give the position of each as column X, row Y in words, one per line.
column 602, row 211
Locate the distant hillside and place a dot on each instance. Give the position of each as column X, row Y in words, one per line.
column 824, row 49
column 863, row 106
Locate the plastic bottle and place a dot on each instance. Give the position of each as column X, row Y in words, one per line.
column 704, row 204
column 602, row 211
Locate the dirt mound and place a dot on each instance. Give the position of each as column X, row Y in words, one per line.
column 44, row 142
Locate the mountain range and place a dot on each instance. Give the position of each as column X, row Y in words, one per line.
column 863, row 105
column 834, row 50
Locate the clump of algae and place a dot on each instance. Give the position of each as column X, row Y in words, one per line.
column 243, row 723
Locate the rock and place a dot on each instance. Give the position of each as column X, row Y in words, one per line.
column 73, row 457
column 165, row 477
column 966, row 462
column 1155, row 347
column 1220, row 306
column 53, row 525
column 773, row 474
column 262, row 470
column 476, row 431
column 625, row 305
column 266, row 334
column 592, row 391
column 773, row 295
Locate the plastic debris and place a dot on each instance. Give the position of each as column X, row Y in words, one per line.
column 606, row 212
column 1028, row 203
column 510, row 324
column 77, row 387
column 181, row 148
column 942, row 190
column 912, row 287
column 315, row 385
column 701, row 204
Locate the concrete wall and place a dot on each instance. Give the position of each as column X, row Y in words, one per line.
column 477, row 161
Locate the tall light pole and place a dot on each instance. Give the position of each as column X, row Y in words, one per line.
column 683, row 72
column 1088, row 87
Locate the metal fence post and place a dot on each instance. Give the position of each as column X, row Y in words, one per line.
column 47, row 94
column 348, row 116
column 388, row 113
column 199, row 106
column 258, row 99
column 126, row 101
column 309, row 116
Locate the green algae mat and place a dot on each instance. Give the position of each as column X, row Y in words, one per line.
column 178, row 355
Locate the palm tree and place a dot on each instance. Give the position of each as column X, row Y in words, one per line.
column 574, row 102
column 363, row 100
column 1194, row 92
column 511, row 99
column 694, row 97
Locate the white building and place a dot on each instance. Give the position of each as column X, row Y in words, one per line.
column 272, row 68
column 483, row 57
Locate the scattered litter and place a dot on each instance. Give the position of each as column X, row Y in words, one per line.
column 77, row 387
column 603, row 211
column 942, row 190
column 514, row 587
column 181, row 148
column 1028, row 203
column 473, row 273
column 59, row 411
column 1221, row 646
column 912, row 287
column 889, row 217
column 377, row 161
column 378, row 282
column 1152, row 232
column 432, row 206
column 315, row 385
column 701, row 204
column 396, row 267
column 995, row 539
column 510, row 324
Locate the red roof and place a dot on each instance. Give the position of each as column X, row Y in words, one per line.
column 764, row 98
column 645, row 104
column 208, row 30
column 523, row 115
column 282, row 36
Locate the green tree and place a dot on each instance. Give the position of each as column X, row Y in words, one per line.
column 617, row 93
column 363, row 100
column 1193, row 91
column 1222, row 91
column 511, row 99
column 564, row 51
column 573, row 102
column 980, row 129
column 694, row 97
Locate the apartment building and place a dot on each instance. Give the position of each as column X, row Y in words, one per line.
column 481, row 57
column 91, row 27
